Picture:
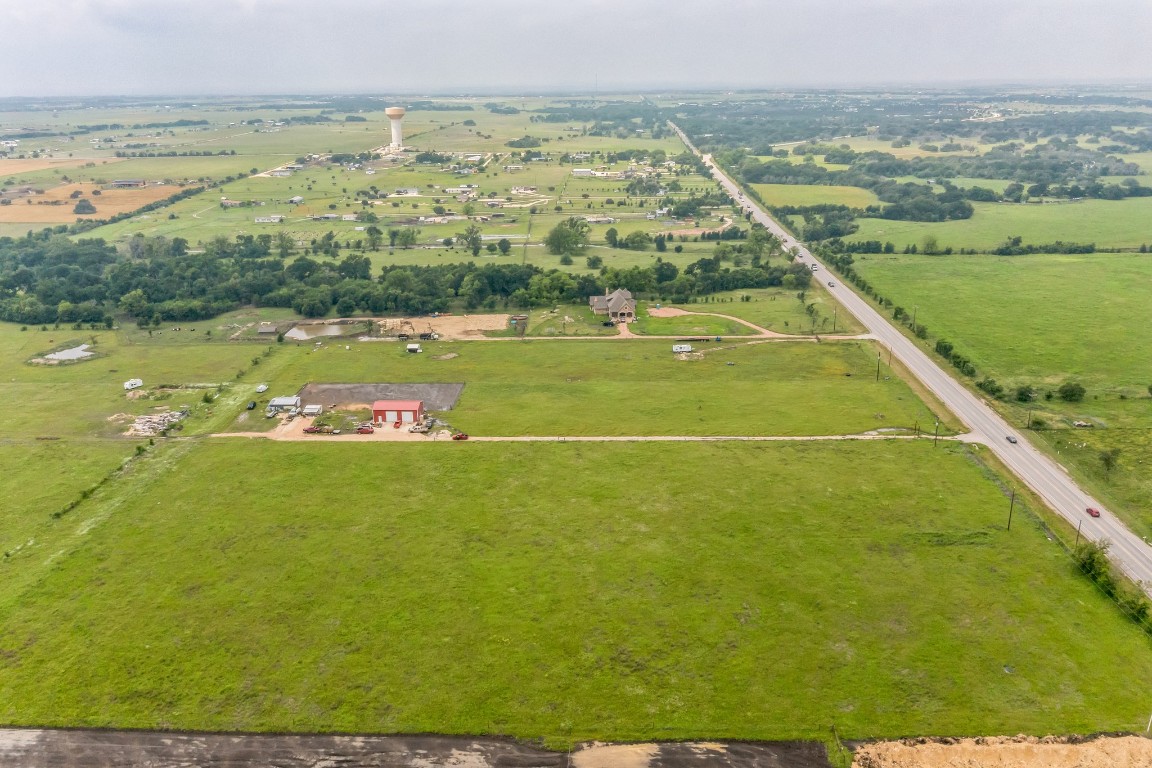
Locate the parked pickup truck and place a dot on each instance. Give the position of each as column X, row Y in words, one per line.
column 419, row 428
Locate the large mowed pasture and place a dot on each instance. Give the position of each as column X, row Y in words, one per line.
column 622, row 387
column 567, row 592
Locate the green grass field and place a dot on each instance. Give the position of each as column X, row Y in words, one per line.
column 622, row 387
column 1107, row 223
column 779, row 310
column 687, row 325
column 1039, row 317
column 565, row 592
column 815, row 194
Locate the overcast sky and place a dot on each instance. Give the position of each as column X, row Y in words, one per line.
column 170, row 47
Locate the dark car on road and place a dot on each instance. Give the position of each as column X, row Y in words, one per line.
column 1011, row 439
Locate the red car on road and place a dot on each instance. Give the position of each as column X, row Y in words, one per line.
column 1093, row 511
column 459, row 436
column 364, row 430
column 311, row 430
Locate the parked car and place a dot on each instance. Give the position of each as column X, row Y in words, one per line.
column 311, row 430
column 362, row 430
column 419, row 428
column 251, row 405
column 460, row 436
column 1093, row 511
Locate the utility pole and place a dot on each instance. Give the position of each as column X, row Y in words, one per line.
column 1028, row 421
column 1078, row 533
column 835, row 311
column 914, row 309
column 1011, row 506
column 877, row 366
column 936, row 436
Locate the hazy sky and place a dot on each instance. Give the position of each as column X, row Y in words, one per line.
column 85, row 47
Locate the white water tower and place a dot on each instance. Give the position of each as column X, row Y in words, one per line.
column 396, row 116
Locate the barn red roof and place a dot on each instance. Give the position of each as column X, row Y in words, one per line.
column 397, row 405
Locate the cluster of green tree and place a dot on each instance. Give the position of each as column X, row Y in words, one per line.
column 821, row 222
column 1015, row 246
column 184, row 123
column 524, row 142
column 343, row 158
column 1092, row 558
column 433, row 158
column 355, row 119
column 501, row 109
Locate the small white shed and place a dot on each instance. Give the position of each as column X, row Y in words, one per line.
column 414, row 348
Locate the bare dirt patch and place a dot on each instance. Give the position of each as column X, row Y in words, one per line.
column 666, row 312
column 124, row 749
column 56, row 204
column 436, row 397
column 1008, row 752
column 446, row 326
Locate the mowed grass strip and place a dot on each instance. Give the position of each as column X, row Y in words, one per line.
column 635, row 387
column 570, row 592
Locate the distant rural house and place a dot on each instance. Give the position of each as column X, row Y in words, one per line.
column 523, row 190
column 128, row 183
column 273, row 219
column 618, row 305
column 385, row 412
column 511, row 168
column 581, row 171
column 407, row 191
column 348, row 217
column 296, row 200
column 599, row 219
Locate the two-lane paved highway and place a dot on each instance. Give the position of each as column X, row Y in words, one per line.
column 1036, row 469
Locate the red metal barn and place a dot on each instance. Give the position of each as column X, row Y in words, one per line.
column 386, row 412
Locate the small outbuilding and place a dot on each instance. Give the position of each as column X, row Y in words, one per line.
column 284, row 404
column 385, row 412
column 414, row 348
column 313, row 410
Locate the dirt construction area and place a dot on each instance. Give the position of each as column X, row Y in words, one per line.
column 447, row 326
column 1008, row 752
column 125, row 749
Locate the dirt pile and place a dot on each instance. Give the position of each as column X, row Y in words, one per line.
column 1008, row 752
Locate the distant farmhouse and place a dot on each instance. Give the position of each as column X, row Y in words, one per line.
column 618, row 305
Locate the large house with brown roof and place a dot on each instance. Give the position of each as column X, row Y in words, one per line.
column 618, row 305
